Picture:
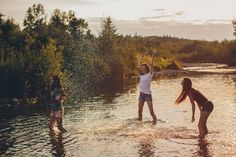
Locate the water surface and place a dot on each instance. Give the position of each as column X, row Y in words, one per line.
column 106, row 125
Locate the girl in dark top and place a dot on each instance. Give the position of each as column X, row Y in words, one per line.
column 205, row 106
column 58, row 95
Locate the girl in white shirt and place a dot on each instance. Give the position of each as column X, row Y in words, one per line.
column 145, row 92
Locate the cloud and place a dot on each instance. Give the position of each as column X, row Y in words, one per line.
column 178, row 13
column 204, row 22
column 218, row 21
column 158, row 9
column 155, row 17
column 163, row 14
column 205, row 31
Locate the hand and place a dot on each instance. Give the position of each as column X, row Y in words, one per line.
column 58, row 97
column 154, row 53
column 193, row 119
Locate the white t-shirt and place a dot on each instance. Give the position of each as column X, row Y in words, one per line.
column 145, row 83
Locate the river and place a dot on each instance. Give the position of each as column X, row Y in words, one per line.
column 106, row 124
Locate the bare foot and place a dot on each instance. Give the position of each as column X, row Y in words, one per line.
column 154, row 122
column 140, row 119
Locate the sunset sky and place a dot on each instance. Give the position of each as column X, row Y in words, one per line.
column 193, row 19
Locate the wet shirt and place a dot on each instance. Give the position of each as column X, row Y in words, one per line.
column 55, row 104
column 145, row 83
column 199, row 98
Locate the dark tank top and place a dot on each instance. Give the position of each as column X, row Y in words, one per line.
column 199, row 98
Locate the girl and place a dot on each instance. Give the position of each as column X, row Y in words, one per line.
column 145, row 92
column 205, row 106
column 57, row 97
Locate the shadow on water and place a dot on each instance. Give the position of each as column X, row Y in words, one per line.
column 112, row 90
column 11, row 112
column 146, row 148
column 5, row 137
column 57, row 144
column 203, row 148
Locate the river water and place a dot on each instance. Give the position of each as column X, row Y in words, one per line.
column 106, row 124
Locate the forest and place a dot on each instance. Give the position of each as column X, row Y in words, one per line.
column 64, row 45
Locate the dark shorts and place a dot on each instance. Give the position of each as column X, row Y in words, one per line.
column 208, row 106
column 145, row 97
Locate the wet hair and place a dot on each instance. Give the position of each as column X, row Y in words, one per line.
column 56, row 82
column 147, row 67
column 187, row 85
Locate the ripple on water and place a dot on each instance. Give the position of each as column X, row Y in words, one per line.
column 107, row 127
column 136, row 129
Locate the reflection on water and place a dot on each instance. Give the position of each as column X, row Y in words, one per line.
column 57, row 144
column 146, row 148
column 106, row 125
column 203, row 148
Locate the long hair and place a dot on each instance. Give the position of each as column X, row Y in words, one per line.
column 56, row 82
column 147, row 67
column 187, row 85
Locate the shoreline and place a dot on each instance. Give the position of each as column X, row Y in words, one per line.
column 204, row 68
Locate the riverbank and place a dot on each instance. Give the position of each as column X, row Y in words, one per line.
column 207, row 68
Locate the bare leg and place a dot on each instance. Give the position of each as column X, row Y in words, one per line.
column 202, row 124
column 205, row 126
column 62, row 114
column 59, row 123
column 151, row 110
column 140, row 110
column 52, row 121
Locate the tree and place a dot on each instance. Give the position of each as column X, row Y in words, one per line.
column 39, row 69
column 107, row 38
column 11, row 41
column 232, row 48
column 76, row 26
column 35, row 27
column 35, row 18
column 234, row 25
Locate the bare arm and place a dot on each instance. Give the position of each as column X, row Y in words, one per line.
column 64, row 95
column 139, row 63
column 193, row 106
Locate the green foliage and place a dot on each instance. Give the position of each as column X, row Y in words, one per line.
column 41, row 68
column 232, row 53
column 234, row 26
column 35, row 18
column 117, row 52
column 107, row 39
column 29, row 57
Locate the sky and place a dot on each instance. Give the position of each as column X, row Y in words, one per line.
column 191, row 19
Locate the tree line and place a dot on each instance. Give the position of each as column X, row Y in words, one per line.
column 64, row 45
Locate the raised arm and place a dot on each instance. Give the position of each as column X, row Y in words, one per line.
column 153, row 57
column 193, row 106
